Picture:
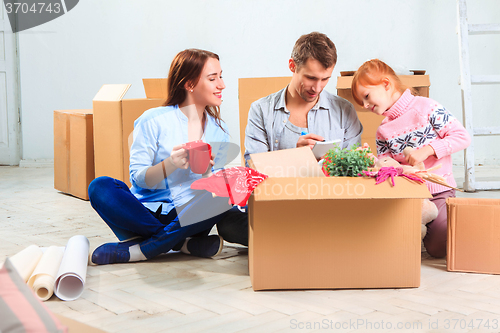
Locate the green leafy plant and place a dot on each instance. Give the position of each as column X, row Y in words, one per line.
column 347, row 162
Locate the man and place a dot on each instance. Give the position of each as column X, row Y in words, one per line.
column 296, row 116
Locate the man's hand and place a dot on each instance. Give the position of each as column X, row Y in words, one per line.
column 419, row 155
column 309, row 140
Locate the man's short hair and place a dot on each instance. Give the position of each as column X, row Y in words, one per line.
column 317, row 46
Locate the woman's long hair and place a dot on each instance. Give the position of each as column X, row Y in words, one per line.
column 186, row 67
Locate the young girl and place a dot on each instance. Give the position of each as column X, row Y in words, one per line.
column 417, row 122
column 147, row 218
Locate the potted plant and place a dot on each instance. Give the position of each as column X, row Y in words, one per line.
column 348, row 162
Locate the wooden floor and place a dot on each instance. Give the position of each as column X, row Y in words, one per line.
column 180, row 293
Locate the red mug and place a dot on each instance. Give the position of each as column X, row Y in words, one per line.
column 200, row 154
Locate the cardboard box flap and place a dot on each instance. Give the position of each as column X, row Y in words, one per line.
column 320, row 188
column 415, row 80
column 295, row 162
column 472, row 202
column 112, row 92
column 83, row 112
column 155, row 88
column 344, row 82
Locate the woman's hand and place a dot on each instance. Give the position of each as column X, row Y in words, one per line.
column 419, row 155
column 179, row 157
column 208, row 173
column 309, row 140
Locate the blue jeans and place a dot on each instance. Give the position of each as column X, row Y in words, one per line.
column 128, row 217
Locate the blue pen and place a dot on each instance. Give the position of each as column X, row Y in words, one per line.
column 303, row 133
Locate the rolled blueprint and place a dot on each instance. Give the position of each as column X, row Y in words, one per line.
column 44, row 276
column 26, row 261
column 70, row 278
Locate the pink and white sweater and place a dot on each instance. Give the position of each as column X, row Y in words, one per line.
column 415, row 121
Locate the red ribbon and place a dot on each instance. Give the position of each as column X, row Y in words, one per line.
column 390, row 172
column 236, row 183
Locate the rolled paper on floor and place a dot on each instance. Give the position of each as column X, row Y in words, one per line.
column 26, row 261
column 44, row 276
column 73, row 270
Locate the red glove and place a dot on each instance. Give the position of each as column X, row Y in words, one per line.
column 237, row 183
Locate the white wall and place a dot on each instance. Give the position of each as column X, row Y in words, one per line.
column 63, row 63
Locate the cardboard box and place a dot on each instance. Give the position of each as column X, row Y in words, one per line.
column 73, row 152
column 473, row 235
column 322, row 232
column 250, row 90
column 370, row 121
column 114, row 119
column 155, row 88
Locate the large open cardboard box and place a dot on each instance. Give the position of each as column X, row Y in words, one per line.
column 73, row 152
column 114, row 119
column 419, row 82
column 331, row 232
column 473, row 235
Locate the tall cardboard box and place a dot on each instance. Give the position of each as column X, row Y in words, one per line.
column 473, row 235
column 114, row 119
column 331, row 232
column 250, row 90
column 73, row 152
column 371, row 121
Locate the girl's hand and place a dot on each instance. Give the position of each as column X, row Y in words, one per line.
column 309, row 140
column 419, row 155
column 179, row 157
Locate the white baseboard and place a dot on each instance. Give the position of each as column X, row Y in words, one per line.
column 37, row 163
column 49, row 163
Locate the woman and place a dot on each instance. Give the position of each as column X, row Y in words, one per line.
column 161, row 212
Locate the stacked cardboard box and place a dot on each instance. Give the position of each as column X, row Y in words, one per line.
column 114, row 119
column 94, row 143
column 73, row 152
column 250, row 90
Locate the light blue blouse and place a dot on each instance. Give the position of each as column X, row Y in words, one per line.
column 156, row 132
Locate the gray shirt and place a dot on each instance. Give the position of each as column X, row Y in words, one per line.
column 332, row 117
column 290, row 135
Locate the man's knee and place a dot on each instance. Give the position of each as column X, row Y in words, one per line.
column 233, row 227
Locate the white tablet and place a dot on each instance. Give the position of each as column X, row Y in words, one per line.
column 322, row 147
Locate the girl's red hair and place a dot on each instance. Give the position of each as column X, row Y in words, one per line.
column 372, row 73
